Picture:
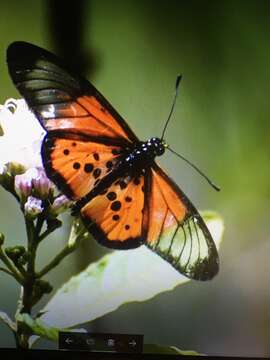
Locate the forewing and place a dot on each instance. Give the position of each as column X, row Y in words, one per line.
column 117, row 218
column 176, row 230
column 61, row 99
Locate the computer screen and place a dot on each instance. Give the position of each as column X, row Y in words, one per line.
column 113, row 236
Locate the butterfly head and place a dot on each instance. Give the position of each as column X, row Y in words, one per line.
column 157, row 146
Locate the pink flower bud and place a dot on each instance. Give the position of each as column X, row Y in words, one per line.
column 23, row 184
column 42, row 186
column 34, row 181
column 33, row 207
column 60, row 204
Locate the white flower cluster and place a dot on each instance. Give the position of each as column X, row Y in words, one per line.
column 22, row 135
column 20, row 144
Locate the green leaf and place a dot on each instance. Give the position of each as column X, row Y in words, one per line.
column 165, row 349
column 118, row 278
column 38, row 327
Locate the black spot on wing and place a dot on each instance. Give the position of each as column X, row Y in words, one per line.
column 76, row 165
column 109, row 164
column 111, row 195
column 54, row 175
column 136, row 181
column 116, row 206
column 97, row 173
column 88, row 167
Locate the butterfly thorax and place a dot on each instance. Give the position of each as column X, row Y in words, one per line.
column 144, row 153
column 133, row 162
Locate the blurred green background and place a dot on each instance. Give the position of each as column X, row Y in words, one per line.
column 132, row 52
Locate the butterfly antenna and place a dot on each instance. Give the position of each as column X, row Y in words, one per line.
column 178, row 79
column 195, row 167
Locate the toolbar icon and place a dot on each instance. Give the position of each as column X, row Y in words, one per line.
column 111, row 342
column 90, row 341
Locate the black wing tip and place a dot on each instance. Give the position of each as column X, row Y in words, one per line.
column 19, row 43
column 21, row 54
column 17, row 48
column 206, row 271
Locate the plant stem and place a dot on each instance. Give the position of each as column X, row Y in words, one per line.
column 28, row 286
column 7, row 271
column 58, row 258
column 31, row 291
column 28, row 296
column 32, row 246
column 40, row 222
column 45, row 234
column 12, row 269
column 77, row 234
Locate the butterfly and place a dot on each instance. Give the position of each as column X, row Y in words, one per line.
column 123, row 197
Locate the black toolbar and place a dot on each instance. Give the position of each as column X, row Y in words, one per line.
column 101, row 342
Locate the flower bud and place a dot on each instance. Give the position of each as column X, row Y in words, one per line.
column 42, row 186
column 15, row 252
column 34, row 181
column 60, row 204
column 4, row 175
column 14, row 168
column 2, row 239
column 23, row 185
column 33, row 207
column 24, row 259
column 7, row 174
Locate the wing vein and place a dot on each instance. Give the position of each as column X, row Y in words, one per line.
column 98, row 120
column 162, row 226
column 198, row 238
column 191, row 243
column 184, row 244
column 172, row 239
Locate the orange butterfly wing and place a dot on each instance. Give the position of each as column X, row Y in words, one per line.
column 117, row 217
column 177, row 232
column 77, row 165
